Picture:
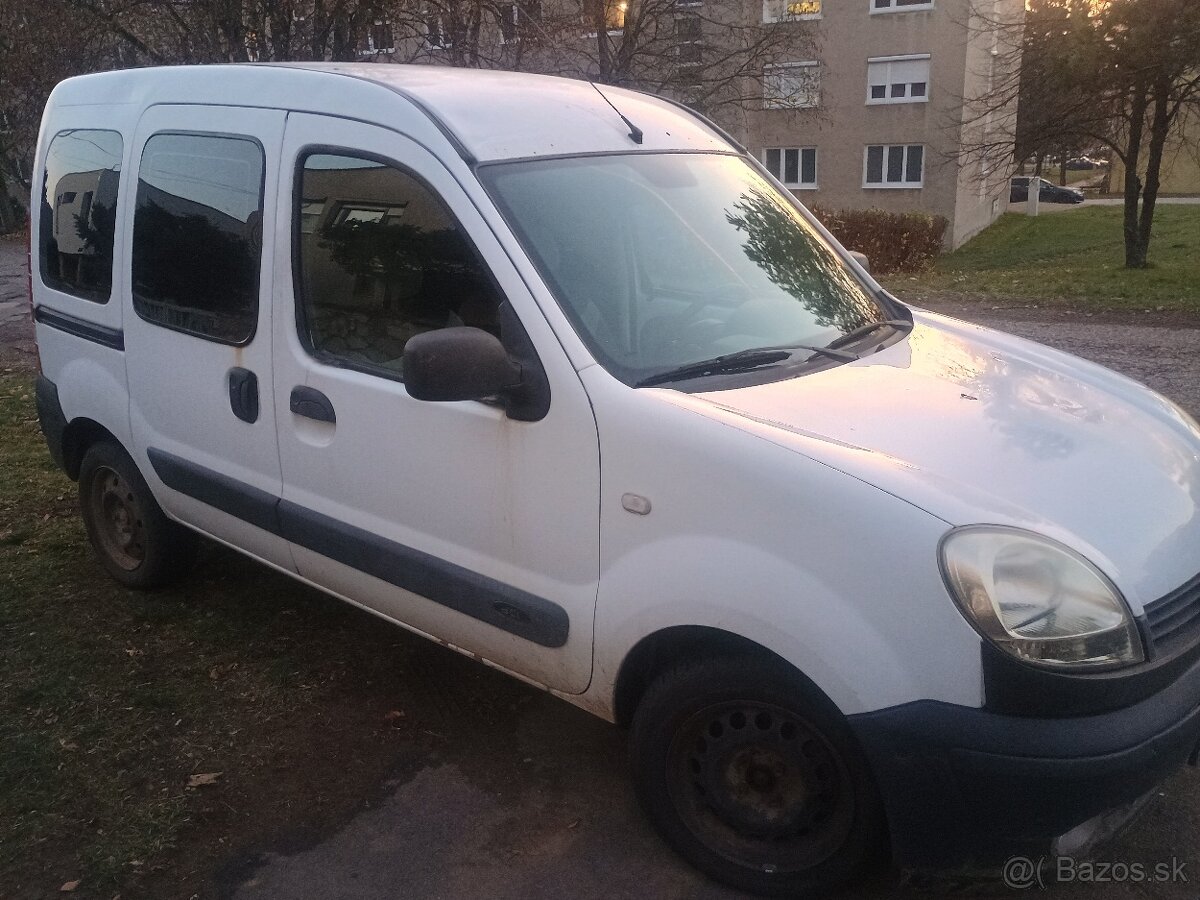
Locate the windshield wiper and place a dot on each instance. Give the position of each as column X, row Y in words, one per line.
column 858, row 332
column 742, row 361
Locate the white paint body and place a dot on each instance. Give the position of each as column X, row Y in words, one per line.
column 803, row 515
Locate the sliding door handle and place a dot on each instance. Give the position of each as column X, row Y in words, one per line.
column 243, row 394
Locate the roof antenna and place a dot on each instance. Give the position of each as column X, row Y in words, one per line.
column 635, row 133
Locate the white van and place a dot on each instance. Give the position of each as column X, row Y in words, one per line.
column 558, row 376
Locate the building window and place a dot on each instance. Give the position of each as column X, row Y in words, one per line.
column 612, row 12
column 886, row 6
column 689, row 43
column 515, row 17
column 79, row 213
column 436, row 35
column 197, row 231
column 898, row 79
column 790, row 10
column 381, row 39
column 792, row 85
column 894, row 166
column 385, row 260
column 796, row 167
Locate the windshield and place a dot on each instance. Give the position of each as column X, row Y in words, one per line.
column 663, row 260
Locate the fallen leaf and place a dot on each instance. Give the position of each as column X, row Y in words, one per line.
column 393, row 716
column 69, row 886
column 195, row 781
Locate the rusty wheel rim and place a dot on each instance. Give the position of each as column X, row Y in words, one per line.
column 119, row 524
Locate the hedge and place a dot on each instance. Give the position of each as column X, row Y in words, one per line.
column 895, row 242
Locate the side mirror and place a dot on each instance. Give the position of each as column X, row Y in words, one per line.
column 862, row 259
column 458, row 364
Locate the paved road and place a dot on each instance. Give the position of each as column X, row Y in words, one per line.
column 550, row 812
column 14, row 286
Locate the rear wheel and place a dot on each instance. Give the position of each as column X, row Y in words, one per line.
column 135, row 541
column 754, row 780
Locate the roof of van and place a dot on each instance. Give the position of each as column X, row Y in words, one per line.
column 488, row 115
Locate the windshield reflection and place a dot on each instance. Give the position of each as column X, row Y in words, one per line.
column 785, row 254
column 663, row 260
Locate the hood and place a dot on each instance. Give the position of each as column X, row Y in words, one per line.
column 978, row 427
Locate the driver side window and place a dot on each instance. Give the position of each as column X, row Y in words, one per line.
column 380, row 260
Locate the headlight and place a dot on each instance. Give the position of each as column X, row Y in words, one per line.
column 1038, row 600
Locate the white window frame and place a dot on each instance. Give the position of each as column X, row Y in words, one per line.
column 779, row 10
column 781, row 102
column 893, row 8
column 800, row 184
column 442, row 42
column 901, row 185
column 887, row 62
column 371, row 48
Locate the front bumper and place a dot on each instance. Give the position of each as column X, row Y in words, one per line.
column 968, row 787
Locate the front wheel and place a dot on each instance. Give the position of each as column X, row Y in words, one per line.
column 754, row 779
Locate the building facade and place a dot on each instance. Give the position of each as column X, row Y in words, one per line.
column 879, row 118
column 851, row 103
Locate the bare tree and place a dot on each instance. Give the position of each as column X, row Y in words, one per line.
column 1117, row 73
column 711, row 54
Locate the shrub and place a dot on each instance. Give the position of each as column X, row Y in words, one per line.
column 895, row 242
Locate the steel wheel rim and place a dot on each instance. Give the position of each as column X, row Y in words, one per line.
column 760, row 786
column 119, row 524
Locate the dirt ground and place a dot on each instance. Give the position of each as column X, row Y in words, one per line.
column 404, row 770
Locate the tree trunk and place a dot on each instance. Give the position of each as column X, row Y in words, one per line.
column 1135, row 255
column 1062, row 171
column 1160, row 128
column 603, row 50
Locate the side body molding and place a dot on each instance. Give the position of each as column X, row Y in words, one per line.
column 505, row 607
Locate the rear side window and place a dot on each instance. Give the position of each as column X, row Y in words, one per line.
column 79, row 212
column 381, row 259
column 197, row 234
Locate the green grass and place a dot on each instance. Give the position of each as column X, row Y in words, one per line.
column 1074, row 259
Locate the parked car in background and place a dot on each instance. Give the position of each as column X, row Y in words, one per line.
column 1084, row 163
column 1049, row 193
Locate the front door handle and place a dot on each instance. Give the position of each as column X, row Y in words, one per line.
column 312, row 404
column 243, row 394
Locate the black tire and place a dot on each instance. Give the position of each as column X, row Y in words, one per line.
column 753, row 776
column 134, row 540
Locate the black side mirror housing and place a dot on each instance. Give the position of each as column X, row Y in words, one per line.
column 458, row 364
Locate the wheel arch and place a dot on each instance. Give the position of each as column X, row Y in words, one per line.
column 80, row 434
column 660, row 650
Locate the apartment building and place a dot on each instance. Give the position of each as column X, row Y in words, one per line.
column 878, row 117
column 851, row 103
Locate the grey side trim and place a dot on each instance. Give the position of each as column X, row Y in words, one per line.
column 113, row 338
column 467, row 592
column 470, row 593
column 227, row 494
